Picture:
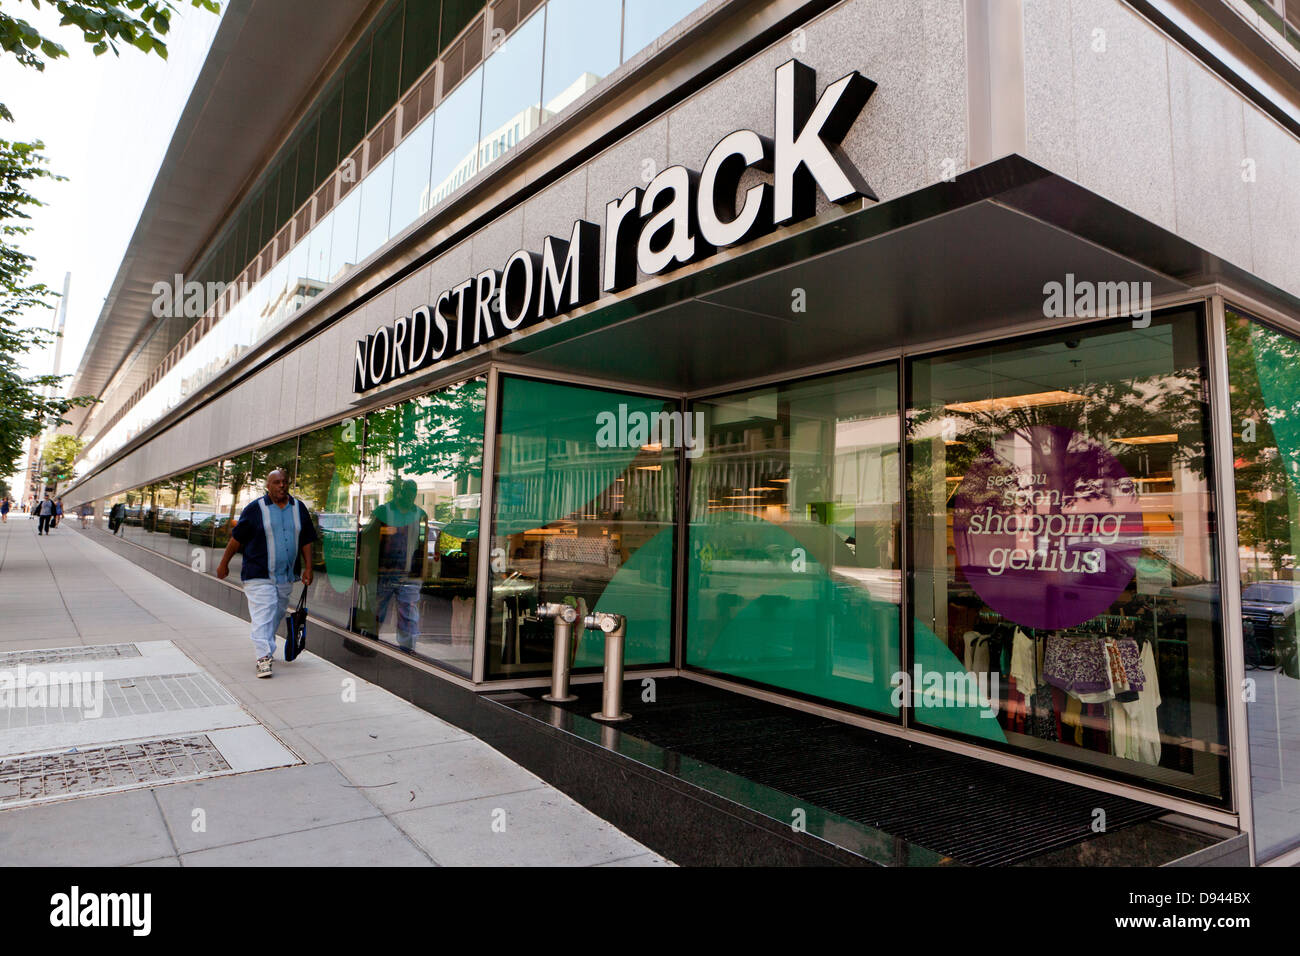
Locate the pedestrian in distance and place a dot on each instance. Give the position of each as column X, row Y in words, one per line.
column 275, row 535
column 44, row 514
column 84, row 512
column 58, row 511
column 4, row 510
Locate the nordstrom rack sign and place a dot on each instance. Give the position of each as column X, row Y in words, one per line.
column 680, row 217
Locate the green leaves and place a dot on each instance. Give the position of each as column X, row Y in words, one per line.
column 103, row 24
column 25, row 408
column 58, row 455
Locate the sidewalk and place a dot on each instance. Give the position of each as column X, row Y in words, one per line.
column 364, row 781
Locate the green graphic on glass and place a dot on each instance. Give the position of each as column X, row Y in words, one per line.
column 583, row 514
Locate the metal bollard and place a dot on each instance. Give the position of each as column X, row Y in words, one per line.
column 615, row 628
column 564, row 617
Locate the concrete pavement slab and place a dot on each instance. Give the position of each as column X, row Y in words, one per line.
column 378, row 734
column 254, row 806
column 373, row 842
column 326, row 708
column 532, row 828
column 400, row 780
column 108, row 830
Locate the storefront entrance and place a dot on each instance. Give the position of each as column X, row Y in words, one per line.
column 1028, row 501
column 1003, row 538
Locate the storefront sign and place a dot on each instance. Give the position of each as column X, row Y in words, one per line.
column 1046, row 526
column 681, row 216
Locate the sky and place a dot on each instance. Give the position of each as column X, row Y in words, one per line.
column 106, row 122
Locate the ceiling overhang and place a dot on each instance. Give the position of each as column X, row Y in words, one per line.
column 248, row 92
column 954, row 260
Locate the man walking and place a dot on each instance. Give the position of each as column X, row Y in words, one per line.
column 44, row 512
column 275, row 534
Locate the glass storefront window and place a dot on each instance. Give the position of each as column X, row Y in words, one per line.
column 417, row 547
column 793, row 561
column 584, row 514
column 179, row 490
column 328, row 482
column 376, row 198
column 297, row 286
column 1064, row 586
column 318, row 254
column 150, row 507
column 205, row 501
column 582, row 39
column 343, row 243
column 455, row 140
column 283, row 455
column 1264, row 380
column 237, row 491
column 411, row 177
column 644, row 21
column 133, row 516
column 115, row 514
column 252, row 325
column 512, row 89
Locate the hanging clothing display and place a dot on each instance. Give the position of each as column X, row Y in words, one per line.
column 1078, row 665
column 1135, row 730
column 977, row 652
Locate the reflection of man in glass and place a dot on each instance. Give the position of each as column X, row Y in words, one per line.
column 397, row 531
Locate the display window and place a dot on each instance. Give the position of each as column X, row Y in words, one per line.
column 584, row 513
column 416, row 537
column 793, row 558
column 1264, row 383
column 1064, row 587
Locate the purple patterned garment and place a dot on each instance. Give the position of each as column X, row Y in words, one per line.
column 1130, row 655
column 1076, row 664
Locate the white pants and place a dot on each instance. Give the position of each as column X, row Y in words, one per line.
column 267, row 603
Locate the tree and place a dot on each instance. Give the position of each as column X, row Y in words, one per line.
column 28, row 404
column 438, row 434
column 1263, row 369
column 59, row 453
column 103, row 24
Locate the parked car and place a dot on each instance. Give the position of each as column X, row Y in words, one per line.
column 338, row 536
column 201, row 526
column 1268, row 609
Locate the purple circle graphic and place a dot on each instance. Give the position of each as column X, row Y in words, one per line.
column 1047, row 527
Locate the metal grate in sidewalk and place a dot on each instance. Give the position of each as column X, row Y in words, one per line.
column 25, row 779
column 59, row 655
column 71, row 701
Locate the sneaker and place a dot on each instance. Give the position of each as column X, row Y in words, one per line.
column 264, row 666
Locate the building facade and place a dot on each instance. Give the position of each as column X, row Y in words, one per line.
column 925, row 366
